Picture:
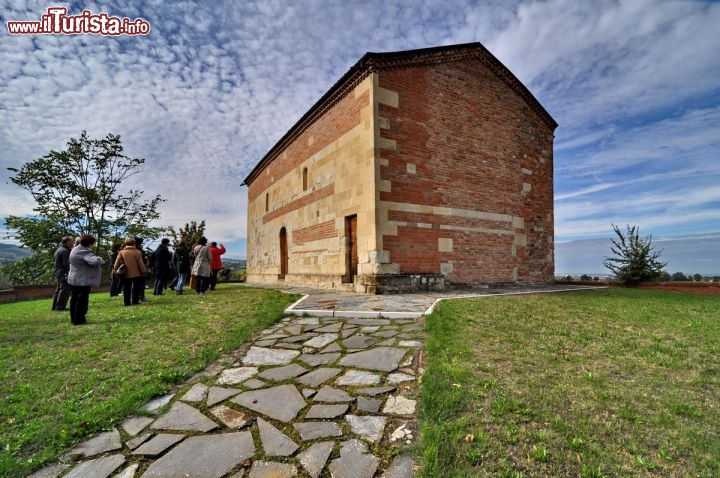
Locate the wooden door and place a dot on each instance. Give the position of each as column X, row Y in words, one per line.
column 351, row 260
column 283, row 254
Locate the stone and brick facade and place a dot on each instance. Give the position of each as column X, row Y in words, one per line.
column 417, row 170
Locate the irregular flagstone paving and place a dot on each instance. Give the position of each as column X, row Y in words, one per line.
column 310, row 396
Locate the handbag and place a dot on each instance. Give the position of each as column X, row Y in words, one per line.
column 121, row 270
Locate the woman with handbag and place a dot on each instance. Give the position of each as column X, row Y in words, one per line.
column 134, row 275
column 201, row 266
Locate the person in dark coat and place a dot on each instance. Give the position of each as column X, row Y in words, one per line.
column 181, row 263
column 61, row 259
column 116, row 281
column 146, row 274
column 162, row 266
column 85, row 272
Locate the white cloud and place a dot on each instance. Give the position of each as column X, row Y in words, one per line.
column 633, row 84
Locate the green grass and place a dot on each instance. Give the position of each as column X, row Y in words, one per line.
column 610, row 383
column 59, row 383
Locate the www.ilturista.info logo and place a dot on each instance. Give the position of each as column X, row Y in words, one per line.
column 57, row 22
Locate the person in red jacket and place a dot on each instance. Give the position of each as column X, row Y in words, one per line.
column 216, row 263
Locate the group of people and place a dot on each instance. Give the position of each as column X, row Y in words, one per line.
column 78, row 268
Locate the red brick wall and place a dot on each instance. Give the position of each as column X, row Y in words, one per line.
column 324, row 230
column 469, row 136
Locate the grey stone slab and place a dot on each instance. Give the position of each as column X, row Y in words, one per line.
column 410, row 343
column 368, row 427
column 375, row 391
column 204, row 456
column 333, row 347
column 386, row 343
column 272, row 469
column 197, row 393
column 183, row 417
column 327, row 411
column 354, row 462
column 315, row 430
column 401, row 467
column 135, row 425
column 315, row 360
column 332, row 395
column 159, row 443
column 295, row 339
column 385, row 359
column 369, row 329
column 218, row 394
column 237, row 375
column 386, row 333
column 319, row 376
column 265, row 343
column 153, row 406
column 232, row 418
column 296, row 329
column 137, row 441
column 368, row 405
column 357, row 378
column 254, row 384
column 293, row 346
column 329, row 328
column 308, row 392
column 359, row 342
column 283, row 372
column 265, row 356
column 52, row 471
column 129, row 471
column 275, row 442
column 102, row 443
column 321, row 340
column 308, row 321
column 98, row 468
column 399, row 377
column 281, row 403
column 314, row 458
column 348, row 331
column 399, row 405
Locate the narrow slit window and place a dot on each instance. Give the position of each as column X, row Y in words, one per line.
column 267, row 202
column 305, row 179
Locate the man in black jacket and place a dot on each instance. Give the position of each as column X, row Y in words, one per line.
column 61, row 259
column 162, row 265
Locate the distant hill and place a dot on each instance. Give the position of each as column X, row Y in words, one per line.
column 234, row 264
column 12, row 252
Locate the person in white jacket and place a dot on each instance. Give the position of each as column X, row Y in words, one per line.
column 85, row 272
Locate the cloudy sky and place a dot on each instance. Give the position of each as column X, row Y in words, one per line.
column 634, row 85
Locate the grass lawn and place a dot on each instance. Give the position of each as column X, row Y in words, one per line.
column 610, row 383
column 59, row 383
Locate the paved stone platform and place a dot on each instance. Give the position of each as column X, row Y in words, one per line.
column 331, row 390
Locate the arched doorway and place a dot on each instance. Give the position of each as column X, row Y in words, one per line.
column 283, row 254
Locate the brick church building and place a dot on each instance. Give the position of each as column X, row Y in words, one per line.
column 417, row 170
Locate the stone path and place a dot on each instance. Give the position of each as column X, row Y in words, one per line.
column 311, row 396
